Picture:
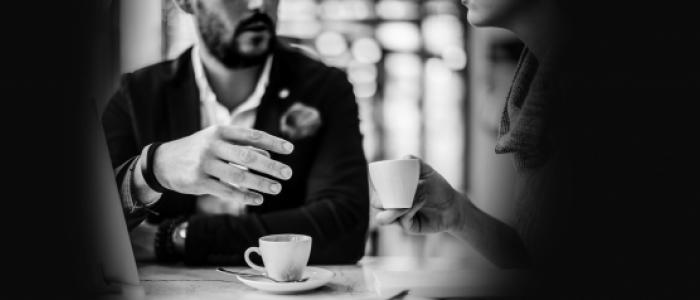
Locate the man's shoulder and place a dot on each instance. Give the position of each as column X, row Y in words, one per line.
column 160, row 72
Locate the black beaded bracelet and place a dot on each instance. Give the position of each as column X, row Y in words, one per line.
column 148, row 173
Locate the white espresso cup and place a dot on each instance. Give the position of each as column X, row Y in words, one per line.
column 284, row 256
column 395, row 181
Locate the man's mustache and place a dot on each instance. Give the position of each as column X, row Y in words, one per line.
column 255, row 18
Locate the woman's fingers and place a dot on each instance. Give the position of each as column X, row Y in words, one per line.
column 388, row 216
column 408, row 221
column 425, row 169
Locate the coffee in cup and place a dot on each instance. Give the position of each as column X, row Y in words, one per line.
column 284, row 256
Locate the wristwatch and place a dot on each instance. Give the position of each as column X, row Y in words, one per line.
column 170, row 240
column 179, row 236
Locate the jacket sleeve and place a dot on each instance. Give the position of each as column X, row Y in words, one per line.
column 336, row 209
column 117, row 122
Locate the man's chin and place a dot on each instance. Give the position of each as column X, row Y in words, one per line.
column 254, row 52
column 245, row 60
column 249, row 52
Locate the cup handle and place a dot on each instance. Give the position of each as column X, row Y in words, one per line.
column 249, row 262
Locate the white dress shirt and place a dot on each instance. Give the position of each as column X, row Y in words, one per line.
column 214, row 113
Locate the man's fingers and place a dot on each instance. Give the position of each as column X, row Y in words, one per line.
column 236, row 176
column 261, row 151
column 255, row 138
column 249, row 158
column 227, row 192
column 389, row 216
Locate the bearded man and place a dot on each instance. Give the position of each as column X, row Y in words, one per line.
column 197, row 141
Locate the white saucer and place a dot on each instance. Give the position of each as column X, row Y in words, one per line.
column 317, row 278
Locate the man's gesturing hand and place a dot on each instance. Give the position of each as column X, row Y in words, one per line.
column 201, row 163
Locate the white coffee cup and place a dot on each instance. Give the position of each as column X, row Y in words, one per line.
column 395, row 181
column 284, row 255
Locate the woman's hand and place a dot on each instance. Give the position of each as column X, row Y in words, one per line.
column 436, row 205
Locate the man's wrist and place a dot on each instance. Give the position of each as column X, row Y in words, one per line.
column 142, row 192
column 149, row 168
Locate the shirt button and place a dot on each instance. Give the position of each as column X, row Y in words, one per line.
column 284, row 93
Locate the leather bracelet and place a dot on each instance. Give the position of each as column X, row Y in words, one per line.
column 148, row 175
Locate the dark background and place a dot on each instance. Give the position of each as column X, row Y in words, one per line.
column 46, row 58
column 638, row 117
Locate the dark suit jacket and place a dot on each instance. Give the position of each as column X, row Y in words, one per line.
column 327, row 197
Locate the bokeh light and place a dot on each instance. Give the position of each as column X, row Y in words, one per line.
column 366, row 50
column 331, row 43
column 399, row 36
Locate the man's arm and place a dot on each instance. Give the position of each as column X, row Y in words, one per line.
column 336, row 209
column 117, row 123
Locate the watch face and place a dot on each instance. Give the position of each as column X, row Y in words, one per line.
column 179, row 235
column 182, row 230
column 182, row 233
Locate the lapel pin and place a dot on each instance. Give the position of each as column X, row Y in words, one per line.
column 284, row 93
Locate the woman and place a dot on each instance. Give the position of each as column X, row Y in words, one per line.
column 439, row 207
column 597, row 120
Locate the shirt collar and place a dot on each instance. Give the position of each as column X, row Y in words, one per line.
column 207, row 94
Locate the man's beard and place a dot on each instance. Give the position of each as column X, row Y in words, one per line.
column 227, row 50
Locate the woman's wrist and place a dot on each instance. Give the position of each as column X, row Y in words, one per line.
column 458, row 213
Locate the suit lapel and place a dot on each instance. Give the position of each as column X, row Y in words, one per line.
column 182, row 99
column 278, row 95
